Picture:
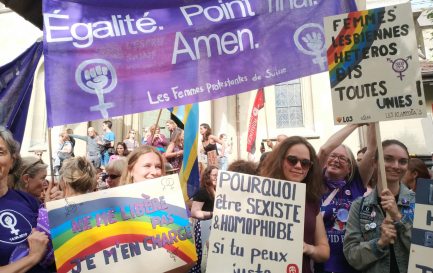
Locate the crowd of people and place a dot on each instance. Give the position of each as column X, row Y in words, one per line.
column 352, row 223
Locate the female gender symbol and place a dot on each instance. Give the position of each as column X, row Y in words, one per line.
column 97, row 75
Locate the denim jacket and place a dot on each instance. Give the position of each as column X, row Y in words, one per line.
column 363, row 231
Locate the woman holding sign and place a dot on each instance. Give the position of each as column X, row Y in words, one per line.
column 374, row 243
column 344, row 181
column 295, row 159
column 145, row 163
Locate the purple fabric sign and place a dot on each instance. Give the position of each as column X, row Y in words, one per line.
column 110, row 58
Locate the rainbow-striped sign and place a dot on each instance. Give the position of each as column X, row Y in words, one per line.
column 373, row 65
column 142, row 227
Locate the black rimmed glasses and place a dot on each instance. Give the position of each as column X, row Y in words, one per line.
column 305, row 163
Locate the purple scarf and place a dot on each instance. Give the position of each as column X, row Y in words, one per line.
column 333, row 184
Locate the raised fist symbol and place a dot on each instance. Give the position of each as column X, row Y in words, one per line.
column 314, row 41
column 96, row 77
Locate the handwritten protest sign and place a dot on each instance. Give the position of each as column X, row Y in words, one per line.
column 373, row 65
column 421, row 249
column 134, row 228
column 133, row 56
column 251, row 209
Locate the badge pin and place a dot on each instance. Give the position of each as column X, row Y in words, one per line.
column 347, row 192
column 367, row 226
column 373, row 214
column 404, row 201
column 373, row 225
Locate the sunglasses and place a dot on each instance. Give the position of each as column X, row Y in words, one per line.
column 113, row 176
column 305, row 163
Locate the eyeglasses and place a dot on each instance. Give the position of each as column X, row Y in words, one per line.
column 341, row 158
column 113, row 176
column 293, row 160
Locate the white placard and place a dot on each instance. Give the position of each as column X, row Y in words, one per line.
column 373, row 65
column 421, row 249
column 257, row 225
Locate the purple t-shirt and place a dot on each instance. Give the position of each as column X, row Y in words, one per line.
column 18, row 215
column 335, row 216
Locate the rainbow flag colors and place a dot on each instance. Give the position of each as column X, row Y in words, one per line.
column 141, row 227
column 373, row 65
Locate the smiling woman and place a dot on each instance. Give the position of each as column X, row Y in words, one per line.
column 344, row 181
column 144, row 163
column 18, row 215
column 294, row 159
column 374, row 243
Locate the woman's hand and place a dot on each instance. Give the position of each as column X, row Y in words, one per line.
column 53, row 192
column 389, row 205
column 308, row 249
column 388, row 233
column 37, row 245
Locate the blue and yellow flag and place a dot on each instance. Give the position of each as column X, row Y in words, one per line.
column 189, row 174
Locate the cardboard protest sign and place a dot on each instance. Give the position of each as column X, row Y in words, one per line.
column 421, row 249
column 373, row 65
column 133, row 56
column 142, row 227
column 252, row 209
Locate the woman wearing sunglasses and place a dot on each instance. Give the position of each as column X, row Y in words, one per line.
column 295, row 160
column 114, row 170
column 344, row 181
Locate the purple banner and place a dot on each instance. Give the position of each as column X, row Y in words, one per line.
column 16, row 84
column 110, row 58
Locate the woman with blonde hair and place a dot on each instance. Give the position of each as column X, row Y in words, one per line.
column 344, row 180
column 143, row 163
column 114, row 171
column 77, row 176
column 131, row 141
column 146, row 163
